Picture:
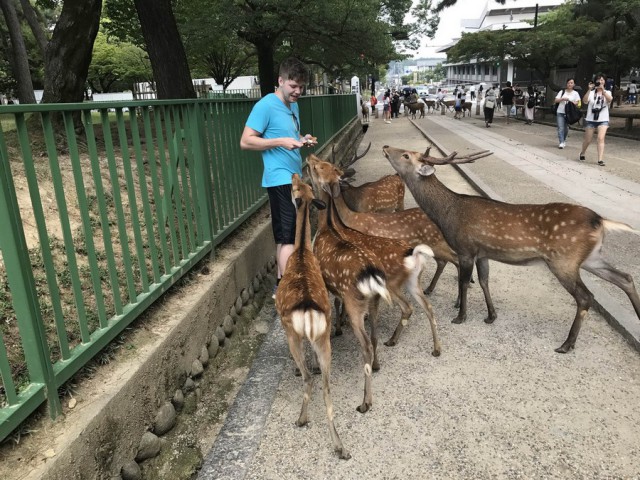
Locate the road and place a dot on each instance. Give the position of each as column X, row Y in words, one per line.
column 498, row 402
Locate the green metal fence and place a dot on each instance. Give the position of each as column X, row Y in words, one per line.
column 96, row 225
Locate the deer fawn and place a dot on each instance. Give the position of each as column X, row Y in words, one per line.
column 566, row 237
column 305, row 312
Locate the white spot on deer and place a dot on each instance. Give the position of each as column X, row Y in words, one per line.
column 555, row 227
column 574, row 239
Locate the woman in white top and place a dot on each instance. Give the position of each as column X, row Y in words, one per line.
column 568, row 94
column 597, row 117
column 490, row 106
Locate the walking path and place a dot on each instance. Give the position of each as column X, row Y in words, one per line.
column 498, row 403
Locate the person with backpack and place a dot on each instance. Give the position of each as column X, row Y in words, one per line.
column 567, row 94
column 529, row 105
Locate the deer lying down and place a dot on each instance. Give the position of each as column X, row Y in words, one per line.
column 303, row 304
column 566, row 237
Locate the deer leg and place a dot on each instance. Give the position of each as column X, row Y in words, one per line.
column 356, row 312
column 482, row 265
column 404, row 319
column 572, row 282
column 436, row 276
column 466, row 269
column 297, row 351
column 373, row 324
column 599, row 267
column 323, row 351
column 339, row 316
column 422, row 300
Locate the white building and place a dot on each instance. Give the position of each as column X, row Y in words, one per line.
column 494, row 19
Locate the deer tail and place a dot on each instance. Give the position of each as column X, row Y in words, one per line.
column 372, row 281
column 612, row 225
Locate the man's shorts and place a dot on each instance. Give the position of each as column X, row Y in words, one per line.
column 283, row 214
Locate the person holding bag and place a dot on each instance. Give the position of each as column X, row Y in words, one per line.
column 489, row 106
column 597, row 118
column 567, row 94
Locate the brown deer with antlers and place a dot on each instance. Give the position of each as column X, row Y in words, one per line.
column 566, row 237
column 305, row 312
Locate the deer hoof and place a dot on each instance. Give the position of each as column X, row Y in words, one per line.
column 301, row 423
column 375, row 367
column 458, row 320
column 436, row 352
column 343, row 454
column 390, row 343
column 490, row 320
column 364, row 408
column 564, row 348
column 337, row 333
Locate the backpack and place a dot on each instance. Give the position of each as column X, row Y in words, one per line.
column 374, row 101
column 572, row 113
column 531, row 103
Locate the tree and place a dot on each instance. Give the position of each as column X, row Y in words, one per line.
column 116, row 65
column 68, row 53
column 18, row 53
column 164, row 46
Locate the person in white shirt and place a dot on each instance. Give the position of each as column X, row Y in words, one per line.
column 567, row 94
column 597, row 118
column 632, row 90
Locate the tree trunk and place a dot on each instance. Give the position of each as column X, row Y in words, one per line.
column 32, row 19
column 19, row 52
column 68, row 53
column 266, row 68
column 166, row 52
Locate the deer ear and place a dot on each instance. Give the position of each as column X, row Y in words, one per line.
column 298, row 202
column 425, row 170
column 319, row 204
column 335, row 189
column 348, row 173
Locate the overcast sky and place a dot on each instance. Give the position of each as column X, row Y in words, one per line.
column 464, row 9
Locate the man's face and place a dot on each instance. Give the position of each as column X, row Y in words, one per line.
column 291, row 89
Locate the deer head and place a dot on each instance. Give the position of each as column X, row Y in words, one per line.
column 324, row 175
column 407, row 162
column 302, row 193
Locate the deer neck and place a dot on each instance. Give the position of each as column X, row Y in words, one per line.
column 434, row 198
column 346, row 214
column 303, row 228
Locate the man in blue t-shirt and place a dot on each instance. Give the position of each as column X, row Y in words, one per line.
column 273, row 127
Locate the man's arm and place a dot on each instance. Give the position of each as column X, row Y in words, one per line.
column 252, row 140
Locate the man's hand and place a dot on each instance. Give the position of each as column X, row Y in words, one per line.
column 309, row 140
column 290, row 143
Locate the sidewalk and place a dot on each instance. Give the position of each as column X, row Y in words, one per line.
column 498, row 403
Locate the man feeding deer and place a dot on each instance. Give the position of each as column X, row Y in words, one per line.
column 273, row 127
column 564, row 236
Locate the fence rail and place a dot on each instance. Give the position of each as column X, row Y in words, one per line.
column 96, row 226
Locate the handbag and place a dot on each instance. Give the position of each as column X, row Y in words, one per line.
column 572, row 113
column 489, row 104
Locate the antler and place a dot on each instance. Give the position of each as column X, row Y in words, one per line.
column 353, row 160
column 454, row 159
column 357, row 157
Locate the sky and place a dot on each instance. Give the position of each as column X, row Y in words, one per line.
column 449, row 27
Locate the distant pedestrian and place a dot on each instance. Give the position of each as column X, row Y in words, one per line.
column 480, row 92
column 458, row 107
column 472, row 92
column 506, row 97
column 529, row 105
column 489, row 106
column 632, row 91
column 598, row 99
column 395, row 104
column 567, row 94
column 386, row 108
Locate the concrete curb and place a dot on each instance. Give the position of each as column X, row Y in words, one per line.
column 621, row 319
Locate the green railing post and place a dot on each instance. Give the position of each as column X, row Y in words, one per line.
column 23, row 287
column 202, row 174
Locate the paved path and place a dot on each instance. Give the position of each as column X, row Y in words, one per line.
column 498, row 403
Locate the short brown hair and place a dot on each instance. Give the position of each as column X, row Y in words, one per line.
column 294, row 69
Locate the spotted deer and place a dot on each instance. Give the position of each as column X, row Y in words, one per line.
column 352, row 273
column 412, row 226
column 383, row 195
column 401, row 263
column 305, row 312
column 565, row 237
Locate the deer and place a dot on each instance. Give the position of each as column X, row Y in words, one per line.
column 566, row 237
column 401, row 263
column 383, row 195
column 411, row 225
column 355, row 275
column 412, row 108
column 365, row 112
column 303, row 304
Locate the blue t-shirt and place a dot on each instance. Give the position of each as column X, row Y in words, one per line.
column 273, row 119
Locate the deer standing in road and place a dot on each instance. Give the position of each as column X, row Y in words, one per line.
column 566, row 237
